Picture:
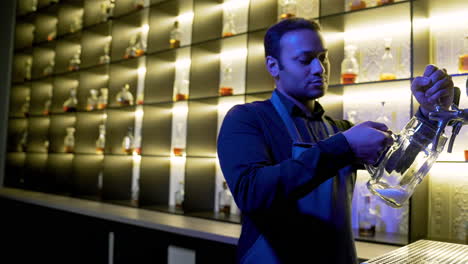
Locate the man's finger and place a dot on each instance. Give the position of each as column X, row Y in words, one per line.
column 377, row 125
column 429, row 70
column 439, row 85
column 420, row 83
column 437, row 75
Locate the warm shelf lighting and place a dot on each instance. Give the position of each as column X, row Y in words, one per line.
column 185, row 17
column 141, row 71
column 145, row 28
column 180, row 108
column 139, row 113
column 383, row 30
column 234, row 53
column 184, row 63
column 178, row 159
column 232, row 4
column 136, row 158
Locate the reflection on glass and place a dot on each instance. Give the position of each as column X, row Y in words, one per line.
column 225, row 200
column 69, row 141
column 463, row 59
column 179, row 195
column 349, row 66
column 288, row 8
column 75, row 61
column 71, row 103
column 357, row 4
column 128, row 142
column 366, row 219
column 101, row 141
column 175, row 36
column 92, row 101
column 388, row 71
column 105, row 58
column 102, row 100
column 124, row 97
column 136, row 47
column 383, row 116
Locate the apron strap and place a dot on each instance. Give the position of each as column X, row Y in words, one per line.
column 287, row 120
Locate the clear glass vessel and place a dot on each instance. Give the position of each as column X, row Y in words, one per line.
column 71, row 104
column 107, row 10
column 105, row 58
column 102, row 100
column 26, row 105
column 174, row 36
column 75, row 61
column 357, row 4
column 226, row 80
column 349, row 66
column 69, row 141
column 27, row 68
column 101, row 141
column 388, row 71
column 136, row 47
column 404, row 165
column 366, row 218
column 288, row 8
column 225, row 200
column 23, row 141
column 180, row 195
column 463, row 59
column 181, row 87
column 128, row 142
column 49, row 68
column 124, row 97
column 92, row 101
column 229, row 27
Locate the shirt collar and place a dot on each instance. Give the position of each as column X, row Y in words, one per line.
column 294, row 110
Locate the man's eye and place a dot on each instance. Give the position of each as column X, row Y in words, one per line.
column 323, row 57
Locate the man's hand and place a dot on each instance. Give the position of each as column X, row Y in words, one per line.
column 368, row 140
column 434, row 87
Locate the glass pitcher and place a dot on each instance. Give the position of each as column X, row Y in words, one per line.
column 404, row 165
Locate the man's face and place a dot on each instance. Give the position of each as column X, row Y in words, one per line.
column 306, row 68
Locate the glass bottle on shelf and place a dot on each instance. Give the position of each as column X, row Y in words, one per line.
column 47, row 104
column 128, row 142
column 49, row 68
column 138, row 4
column 101, row 141
column 288, row 9
column 136, row 47
column 46, row 145
column 179, row 148
column 52, row 34
column 69, row 141
column 92, row 101
column 76, row 23
column 105, row 58
column 357, row 4
column 22, row 143
column 349, row 66
column 463, row 59
column 102, row 99
column 174, row 36
column 124, row 97
column 107, row 10
column 229, row 27
column 388, row 62
column 182, row 86
column 25, row 106
column 225, row 200
column 71, row 103
column 179, row 196
column 75, row 61
column 384, row 2
column 27, row 68
column 366, row 218
column 226, row 81
column 383, row 116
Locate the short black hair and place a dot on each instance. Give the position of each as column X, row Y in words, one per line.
column 274, row 34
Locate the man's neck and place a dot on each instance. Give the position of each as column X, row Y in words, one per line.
column 307, row 106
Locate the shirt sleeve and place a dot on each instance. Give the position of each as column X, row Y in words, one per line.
column 256, row 181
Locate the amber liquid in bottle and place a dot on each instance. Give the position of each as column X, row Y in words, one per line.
column 384, row 2
column 178, row 151
column 463, row 64
column 356, row 5
column 348, row 78
column 225, row 91
column 180, row 97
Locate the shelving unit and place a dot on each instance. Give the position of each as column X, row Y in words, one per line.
column 149, row 180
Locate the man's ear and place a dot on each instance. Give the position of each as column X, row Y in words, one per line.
column 272, row 66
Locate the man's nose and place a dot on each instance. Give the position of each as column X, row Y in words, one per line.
column 316, row 67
